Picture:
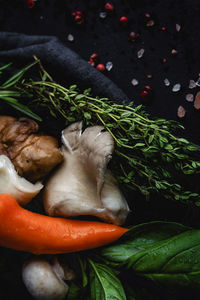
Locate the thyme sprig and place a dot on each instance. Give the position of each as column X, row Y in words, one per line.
column 147, row 152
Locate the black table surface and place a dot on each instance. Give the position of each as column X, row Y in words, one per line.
column 110, row 40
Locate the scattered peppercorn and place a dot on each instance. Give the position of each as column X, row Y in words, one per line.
column 146, row 94
column 77, row 13
column 148, row 88
column 147, row 15
column 109, row 7
column 30, row 3
column 133, row 36
column 92, row 63
column 78, row 17
column 123, row 20
column 94, row 57
column 100, row 67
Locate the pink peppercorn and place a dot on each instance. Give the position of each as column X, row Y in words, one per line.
column 109, row 7
column 100, row 67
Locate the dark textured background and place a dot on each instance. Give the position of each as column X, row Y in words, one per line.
column 110, row 40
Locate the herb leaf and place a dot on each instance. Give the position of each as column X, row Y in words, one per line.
column 146, row 148
column 104, row 283
column 166, row 253
column 139, row 238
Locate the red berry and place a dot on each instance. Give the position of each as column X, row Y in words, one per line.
column 77, row 13
column 109, row 7
column 164, row 60
column 133, row 36
column 79, row 19
column 92, row 63
column 163, row 28
column 31, row 3
column 147, row 15
column 94, row 57
column 100, row 67
column 123, row 20
column 148, row 88
column 144, row 96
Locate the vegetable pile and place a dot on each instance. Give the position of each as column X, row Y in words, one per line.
column 147, row 154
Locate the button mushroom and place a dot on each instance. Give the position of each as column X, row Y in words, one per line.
column 33, row 155
column 18, row 187
column 82, row 185
column 43, row 280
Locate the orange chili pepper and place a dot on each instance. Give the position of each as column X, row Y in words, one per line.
column 23, row 230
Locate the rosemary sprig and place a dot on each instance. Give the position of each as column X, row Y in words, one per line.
column 148, row 152
column 9, row 96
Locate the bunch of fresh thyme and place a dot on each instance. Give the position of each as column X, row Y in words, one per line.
column 148, row 154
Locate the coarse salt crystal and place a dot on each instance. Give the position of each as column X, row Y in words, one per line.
column 192, row 84
column 102, row 15
column 166, row 82
column 181, row 112
column 178, row 27
column 140, row 53
column 109, row 65
column 189, row 97
column 198, row 82
column 176, row 87
column 134, row 82
column 70, row 37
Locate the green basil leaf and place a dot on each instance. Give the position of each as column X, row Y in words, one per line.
column 173, row 262
column 139, row 238
column 104, row 284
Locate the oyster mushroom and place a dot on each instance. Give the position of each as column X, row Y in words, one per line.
column 18, row 187
column 43, row 280
column 82, row 185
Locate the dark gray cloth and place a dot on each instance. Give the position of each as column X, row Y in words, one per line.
column 63, row 64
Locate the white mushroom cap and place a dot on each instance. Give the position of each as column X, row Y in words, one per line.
column 43, row 281
column 18, row 187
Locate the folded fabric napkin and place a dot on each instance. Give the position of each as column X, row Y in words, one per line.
column 63, row 64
